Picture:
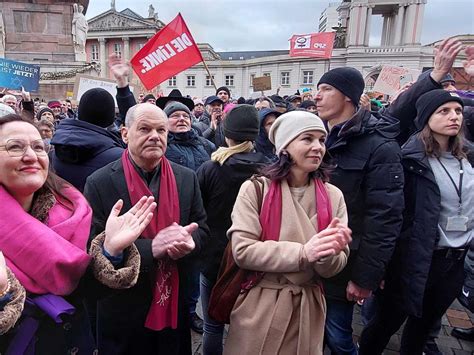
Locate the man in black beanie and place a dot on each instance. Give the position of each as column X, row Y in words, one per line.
column 369, row 173
column 223, row 93
column 84, row 145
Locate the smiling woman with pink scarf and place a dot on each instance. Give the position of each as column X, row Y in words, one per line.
column 44, row 230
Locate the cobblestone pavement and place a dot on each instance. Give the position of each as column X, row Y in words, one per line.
column 456, row 316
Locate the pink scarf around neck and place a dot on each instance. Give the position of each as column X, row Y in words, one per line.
column 50, row 257
column 270, row 218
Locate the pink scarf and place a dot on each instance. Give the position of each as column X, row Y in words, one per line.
column 270, row 218
column 50, row 257
column 163, row 311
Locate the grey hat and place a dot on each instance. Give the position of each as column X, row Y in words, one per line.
column 176, row 106
column 5, row 110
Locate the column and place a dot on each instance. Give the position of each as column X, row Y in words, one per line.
column 391, row 27
column 367, row 25
column 416, row 38
column 357, row 21
column 102, row 58
column 384, row 30
column 409, row 27
column 126, row 48
column 397, row 40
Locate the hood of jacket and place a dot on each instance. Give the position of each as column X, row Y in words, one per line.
column 80, row 141
column 262, row 143
column 364, row 122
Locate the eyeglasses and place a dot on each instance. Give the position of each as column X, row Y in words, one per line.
column 18, row 147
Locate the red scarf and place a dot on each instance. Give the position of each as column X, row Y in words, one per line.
column 270, row 218
column 163, row 311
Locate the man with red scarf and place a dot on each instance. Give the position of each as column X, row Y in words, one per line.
column 150, row 318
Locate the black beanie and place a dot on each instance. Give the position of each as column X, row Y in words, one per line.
column 148, row 97
column 97, row 107
column 348, row 80
column 430, row 101
column 223, row 88
column 307, row 104
column 241, row 123
column 43, row 110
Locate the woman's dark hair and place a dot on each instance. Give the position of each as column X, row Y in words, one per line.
column 280, row 170
column 53, row 182
column 433, row 149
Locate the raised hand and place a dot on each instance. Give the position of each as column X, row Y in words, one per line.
column 3, row 274
column 25, row 95
column 444, row 58
column 330, row 241
column 122, row 231
column 119, row 69
column 365, row 102
column 469, row 63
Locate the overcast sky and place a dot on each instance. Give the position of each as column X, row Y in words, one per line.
column 239, row 25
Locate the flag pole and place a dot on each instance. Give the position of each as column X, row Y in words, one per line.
column 208, row 72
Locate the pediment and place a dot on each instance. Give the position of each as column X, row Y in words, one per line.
column 112, row 20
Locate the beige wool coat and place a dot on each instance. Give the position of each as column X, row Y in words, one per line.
column 284, row 313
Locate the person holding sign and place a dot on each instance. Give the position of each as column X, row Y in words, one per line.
column 426, row 272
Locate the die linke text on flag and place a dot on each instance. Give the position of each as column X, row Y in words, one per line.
column 166, row 54
column 317, row 45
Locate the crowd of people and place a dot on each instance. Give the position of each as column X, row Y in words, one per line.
column 115, row 222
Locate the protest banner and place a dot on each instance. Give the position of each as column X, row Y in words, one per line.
column 317, row 45
column 391, row 78
column 262, row 83
column 86, row 82
column 14, row 75
column 166, row 54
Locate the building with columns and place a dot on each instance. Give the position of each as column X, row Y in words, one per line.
column 125, row 32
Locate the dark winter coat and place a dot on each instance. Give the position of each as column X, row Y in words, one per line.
column 72, row 336
column 262, row 143
column 419, row 236
column 189, row 149
column 368, row 171
column 80, row 148
column 124, row 312
column 220, row 186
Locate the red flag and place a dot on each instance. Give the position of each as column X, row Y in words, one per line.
column 318, row 45
column 168, row 53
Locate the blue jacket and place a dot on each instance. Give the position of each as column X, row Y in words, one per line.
column 80, row 148
column 189, row 149
column 262, row 143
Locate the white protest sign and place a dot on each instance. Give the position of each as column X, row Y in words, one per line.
column 87, row 82
column 392, row 77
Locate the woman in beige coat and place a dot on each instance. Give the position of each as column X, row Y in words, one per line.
column 297, row 235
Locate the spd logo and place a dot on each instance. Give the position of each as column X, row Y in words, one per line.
column 303, row 42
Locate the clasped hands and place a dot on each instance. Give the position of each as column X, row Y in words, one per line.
column 328, row 242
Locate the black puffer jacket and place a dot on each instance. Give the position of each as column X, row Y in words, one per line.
column 220, row 186
column 368, row 171
column 412, row 259
column 80, row 148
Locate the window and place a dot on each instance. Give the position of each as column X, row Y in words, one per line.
column 95, row 52
column 229, row 80
column 172, row 81
column 141, row 45
column 285, row 78
column 191, row 80
column 118, row 49
column 252, row 76
column 208, row 80
column 307, row 77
